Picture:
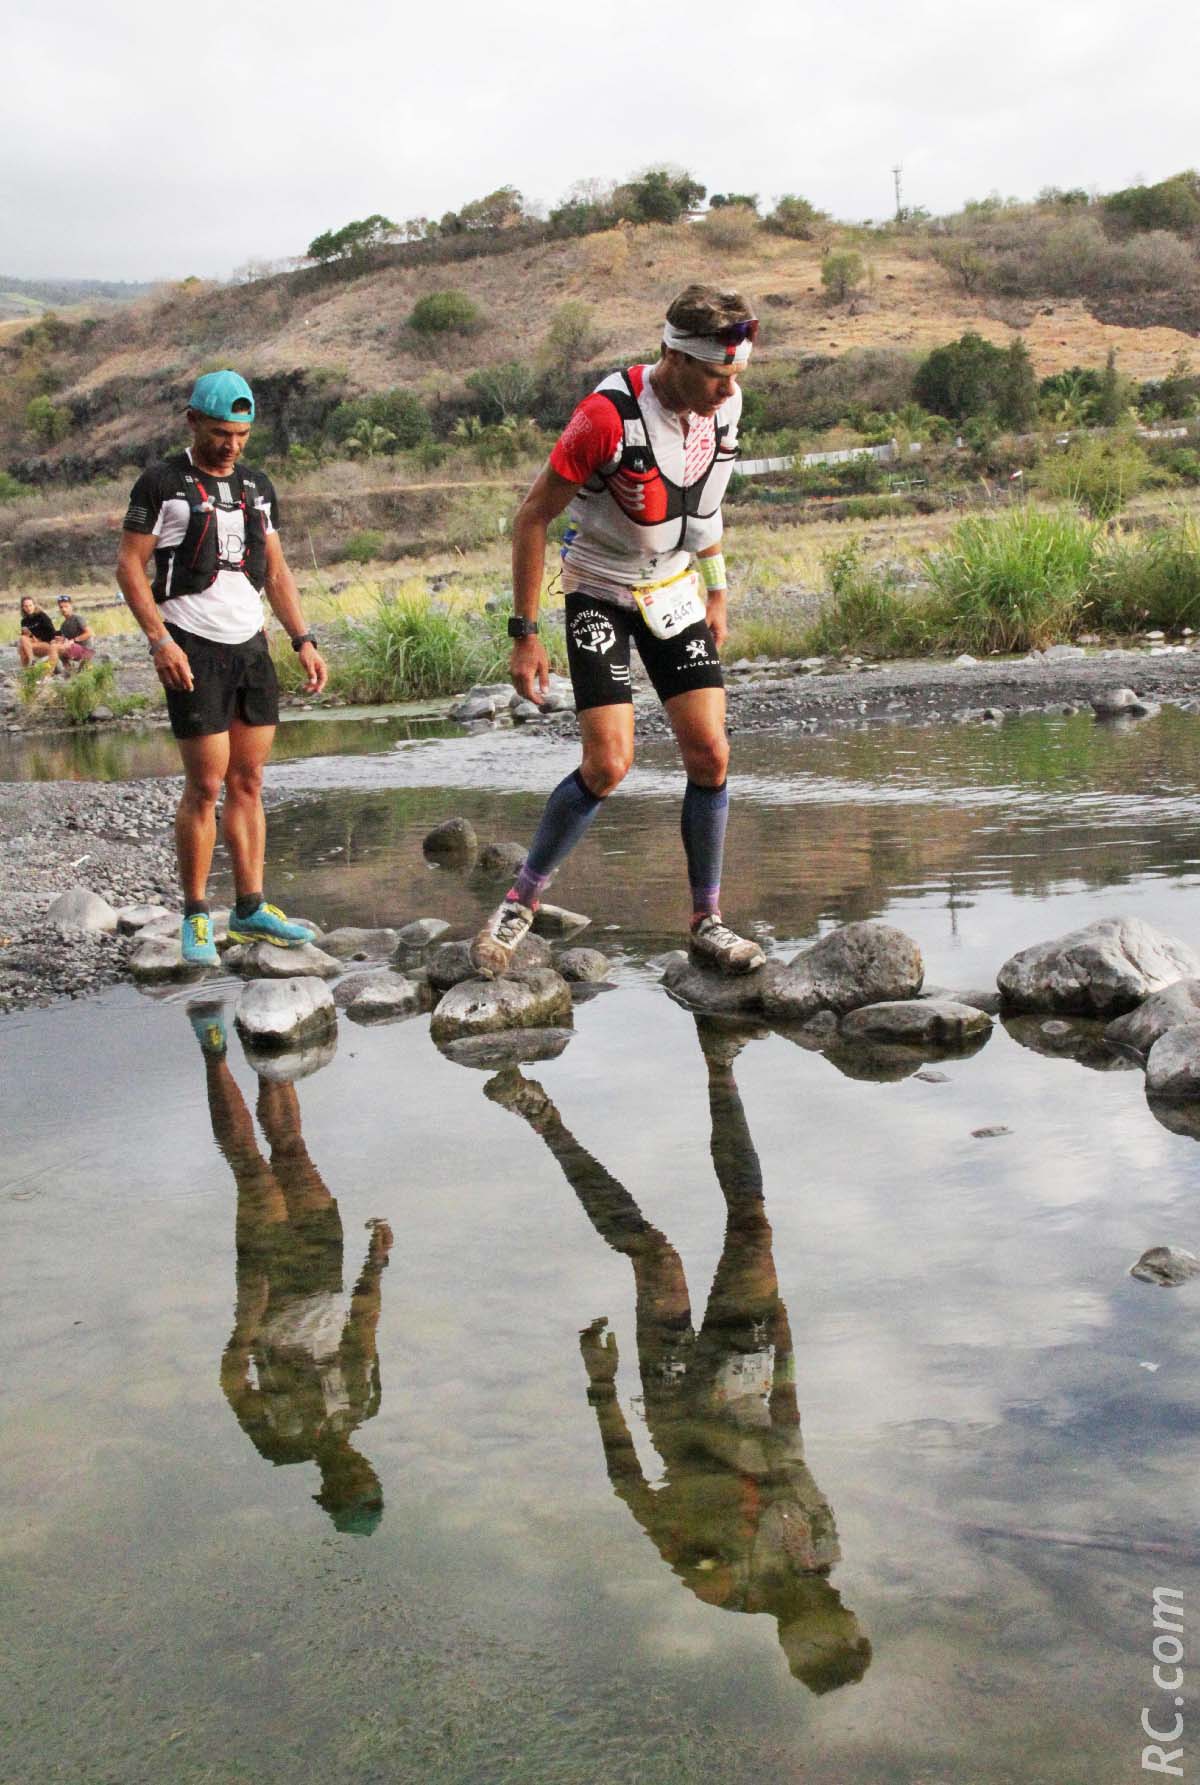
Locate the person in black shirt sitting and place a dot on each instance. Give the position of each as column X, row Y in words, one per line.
column 38, row 638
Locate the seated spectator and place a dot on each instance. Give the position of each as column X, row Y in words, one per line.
column 38, row 637
column 75, row 636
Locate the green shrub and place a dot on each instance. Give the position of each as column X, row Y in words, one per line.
column 504, row 390
column 795, row 217
column 445, row 313
column 1147, row 579
column 413, row 648
column 87, row 689
column 970, row 377
column 362, row 547
column 47, row 423
column 399, row 413
column 30, row 681
column 1172, row 204
column 731, row 228
column 1183, row 463
column 1099, row 475
column 865, row 611
column 841, row 271
column 1013, row 582
column 11, row 489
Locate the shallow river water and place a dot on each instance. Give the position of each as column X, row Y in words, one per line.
column 683, row 1408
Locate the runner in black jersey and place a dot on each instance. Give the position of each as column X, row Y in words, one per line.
column 643, row 465
column 210, row 527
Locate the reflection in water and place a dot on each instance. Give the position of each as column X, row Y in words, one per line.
column 300, row 1370
column 738, row 1515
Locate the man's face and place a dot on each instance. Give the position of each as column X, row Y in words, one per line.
column 217, row 445
column 66, row 609
column 703, row 387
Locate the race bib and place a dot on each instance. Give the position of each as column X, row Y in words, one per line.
column 670, row 610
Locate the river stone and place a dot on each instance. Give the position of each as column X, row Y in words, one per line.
column 453, row 841
column 874, row 1062
column 81, row 909
column 1173, row 1064
column 703, row 989
column 559, row 696
column 131, row 918
column 476, row 703
column 385, row 995
column 582, row 965
column 539, row 999
column 915, row 1020
column 502, row 858
column 262, row 960
column 451, row 963
column 157, row 959
column 1103, row 969
column 517, row 1047
column 420, row 933
column 1139, row 1029
column 288, row 1064
column 862, row 963
column 350, row 944
column 275, row 1013
column 524, row 711
column 1081, row 1039
column 988, row 1001
column 1115, row 703
column 553, row 920
column 1168, row 1266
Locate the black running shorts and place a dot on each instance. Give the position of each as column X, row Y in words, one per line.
column 598, row 639
column 231, row 681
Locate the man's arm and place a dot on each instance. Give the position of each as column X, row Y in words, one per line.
column 136, row 551
column 284, row 597
column 716, row 599
column 550, row 494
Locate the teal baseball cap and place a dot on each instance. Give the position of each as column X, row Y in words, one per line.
column 224, row 395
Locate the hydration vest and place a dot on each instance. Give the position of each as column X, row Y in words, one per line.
column 193, row 565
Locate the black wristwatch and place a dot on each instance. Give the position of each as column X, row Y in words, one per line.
column 520, row 627
column 305, row 638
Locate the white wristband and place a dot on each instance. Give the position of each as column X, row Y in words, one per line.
column 712, row 571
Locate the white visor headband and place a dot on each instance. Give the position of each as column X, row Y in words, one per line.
column 710, row 348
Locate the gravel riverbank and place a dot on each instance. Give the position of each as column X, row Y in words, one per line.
column 117, row 838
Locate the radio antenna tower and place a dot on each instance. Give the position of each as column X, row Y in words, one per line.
column 896, row 172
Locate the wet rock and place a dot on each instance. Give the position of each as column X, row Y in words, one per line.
column 501, row 859
column 351, row 944
column 157, row 960
column 986, row 1000
column 553, row 920
column 928, row 1076
column 385, row 996
column 516, row 1047
column 1173, row 1065
column 420, row 933
column 262, row 960
column 1139, row 1029
column 582, row 965
column 450, row 963
column 1168, row 1266
column 273, row 1014
column 862, row 963
column 1103, row 969
column 874, row 1062
column 939, row 1021
column 1081, row 1040
column 700, row 988
column 993, row 1133
column 285, row 1065
column 1178, row 1118
column 476, row 703
column 524, row 711
column 560, row 696
column 453, row 842
column 538, row 999
column 131, row 918
column 1118, row 703
column 81, row 909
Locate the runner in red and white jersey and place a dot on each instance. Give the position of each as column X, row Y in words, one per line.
column 641, row 466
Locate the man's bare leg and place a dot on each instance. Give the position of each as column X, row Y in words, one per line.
column 205, row 761
column 243, row 821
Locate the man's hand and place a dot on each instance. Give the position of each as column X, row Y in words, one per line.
column 172, row 666
column 529, row 668
column 717, row 615
column 313, row 665
column 599, row 1351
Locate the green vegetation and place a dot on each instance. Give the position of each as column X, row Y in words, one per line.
column 11, row 488
column 842, row 271
column 362, row 547
column 354, row 241
column 1147, row 579
column 970, row 377
column 795, row 217
column 46, row 422
column 412, row 646
column 866, row 612
column 445, row 313
column 1100, row 475
column 1014, row 582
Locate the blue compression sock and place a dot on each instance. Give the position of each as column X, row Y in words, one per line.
column 705, row 815
column 569, row 810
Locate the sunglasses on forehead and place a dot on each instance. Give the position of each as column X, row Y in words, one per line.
column 737, row 332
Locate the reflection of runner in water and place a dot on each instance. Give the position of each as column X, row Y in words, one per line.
column 738, row 1515
column 300, row 1370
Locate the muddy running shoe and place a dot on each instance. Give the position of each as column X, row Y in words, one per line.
column 268, row 924
column 208, row 1025
column 196, row 943
column 713, row 944
column 494, row 947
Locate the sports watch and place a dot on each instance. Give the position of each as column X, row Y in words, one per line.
column 520, row 627
column 305, row 638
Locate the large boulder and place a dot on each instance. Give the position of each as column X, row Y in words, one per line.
column 352, row 944
column 1103, row 969
column 514, row 1047
column 453, row 841
column 157, row 961
column 538, row 999
column 722, row 994
column 79, row 908
column 283, row 1013
column 916, row 1022
column 263, row 960
column 1139, row 1029
column 1173, row 1064
column 286, row 1064
column 583, row 966
column 862, row 963
column 451, row 962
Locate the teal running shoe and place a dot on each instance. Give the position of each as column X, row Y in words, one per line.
column 208, row 1026
column 268, row 924
column 196, row 943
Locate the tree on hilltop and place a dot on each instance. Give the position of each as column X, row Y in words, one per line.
column 353, row 240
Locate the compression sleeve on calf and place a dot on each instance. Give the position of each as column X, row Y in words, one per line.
column 568, row 812
column 702, row 823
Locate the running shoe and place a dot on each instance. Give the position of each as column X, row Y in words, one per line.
column 268, row 924
column 493, row 949
column 196, row 943
column 208, row 1025
column 524, row 1096
column 714, row 944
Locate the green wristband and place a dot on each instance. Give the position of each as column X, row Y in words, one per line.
column 712, row 571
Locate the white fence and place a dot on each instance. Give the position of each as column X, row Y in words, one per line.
column 760, row 467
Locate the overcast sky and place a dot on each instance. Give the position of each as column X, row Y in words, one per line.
column 143, row 144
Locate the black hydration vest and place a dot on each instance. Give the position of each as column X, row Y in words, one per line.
column 193, row 565
column 645, row 496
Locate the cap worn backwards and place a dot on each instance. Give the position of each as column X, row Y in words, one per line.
column 225, row 396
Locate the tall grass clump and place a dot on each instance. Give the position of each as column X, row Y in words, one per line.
column 412, row 648
column 1148, row 579
column 1012, row 582
column 1100, row 475
column 866, row 611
